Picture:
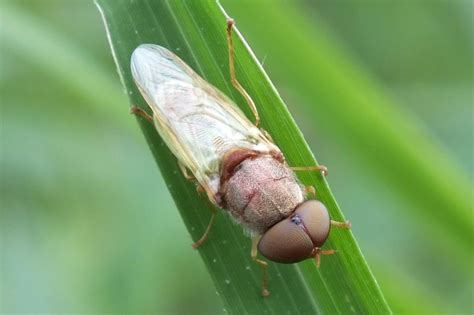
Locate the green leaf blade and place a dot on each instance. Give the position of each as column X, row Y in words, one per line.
column 196, row 32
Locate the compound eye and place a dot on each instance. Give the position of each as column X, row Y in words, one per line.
column 315, row 218
column 286, row 242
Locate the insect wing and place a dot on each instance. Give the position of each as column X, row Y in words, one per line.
column 198, row 123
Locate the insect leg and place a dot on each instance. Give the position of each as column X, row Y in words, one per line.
column 262, row 264
column 323, row 169
column 140, row 112
column 267, row 135
column 185, row 172
column 320, row 252
column 310, row 190
column 206, row 233
column 233, row 79
column 345, row 225
column 186, row 175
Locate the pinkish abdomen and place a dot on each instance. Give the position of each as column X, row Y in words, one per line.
column 261, row 192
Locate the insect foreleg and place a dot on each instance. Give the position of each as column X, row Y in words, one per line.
column 262, row 264
column 345, row 225
column 323, row 169
column 233, row 79
column 140, row 112
column 320, row 252
column 206, row 233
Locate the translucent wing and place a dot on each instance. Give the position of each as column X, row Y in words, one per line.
column 198, row 122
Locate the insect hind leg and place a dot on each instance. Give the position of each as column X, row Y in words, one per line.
column 233, row 79
column 185, row 172
column 141, row 113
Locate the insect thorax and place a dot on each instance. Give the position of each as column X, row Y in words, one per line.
column 260, row 191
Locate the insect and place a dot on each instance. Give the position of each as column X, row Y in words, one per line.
column 234, row 161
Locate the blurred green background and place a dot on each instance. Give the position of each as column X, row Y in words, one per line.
column 87, row 223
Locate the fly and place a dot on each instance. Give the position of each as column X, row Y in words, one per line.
column 234, row 161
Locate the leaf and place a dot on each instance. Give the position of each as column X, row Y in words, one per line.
column 196, row 32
